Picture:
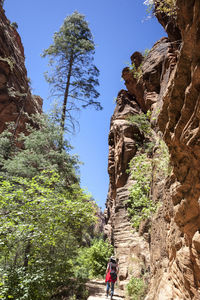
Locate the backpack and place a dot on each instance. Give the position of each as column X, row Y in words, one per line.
column 113, row 269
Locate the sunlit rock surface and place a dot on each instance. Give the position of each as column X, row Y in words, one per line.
column 130, row 247
column 170, row 87
column 15, row 95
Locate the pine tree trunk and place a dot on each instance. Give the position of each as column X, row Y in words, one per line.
column 64, row 107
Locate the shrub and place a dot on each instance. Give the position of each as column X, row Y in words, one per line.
column 142, row 121
column 141, row 167
column 40, row 151
column 136, row 289
column 140, row 205
column 162, row 162
column 137, row 71
column 41, row 227
column 161, row 6
column 92, row 261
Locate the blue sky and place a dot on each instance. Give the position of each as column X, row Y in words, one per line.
column 119, row 28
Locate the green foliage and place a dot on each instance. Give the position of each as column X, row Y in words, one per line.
column 167, row 7
column 137, row 71
column 41, row 227
column 142, row 121
column 45, row 216
column 136, row 289
column 145, row 53
column 73, row 76
column 162, row 161
column 140, row 205
column 40, row 151
column 92, row 261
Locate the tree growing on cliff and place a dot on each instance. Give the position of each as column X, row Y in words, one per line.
column 73, row 75
column 168, row 7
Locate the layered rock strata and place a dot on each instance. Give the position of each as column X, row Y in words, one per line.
column 130, row 247
column 179, row 122
column 169, row 86
column 15, row 96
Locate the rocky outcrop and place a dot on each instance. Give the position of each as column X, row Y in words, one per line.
column 15, row 95
column 179, row 122
column 129, row 245
column 168, row 86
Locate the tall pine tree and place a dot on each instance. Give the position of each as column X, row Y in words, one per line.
column 73, row 75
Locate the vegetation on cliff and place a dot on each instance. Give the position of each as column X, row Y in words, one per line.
column 137, row 69
column 136, row 289
column 167, row 7
column 139, row 202
column 152, row 157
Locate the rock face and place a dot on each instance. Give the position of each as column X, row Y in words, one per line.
column 129, row 246
column 15, row 95
column 169, row 86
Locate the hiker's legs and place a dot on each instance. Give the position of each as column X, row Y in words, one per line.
column 107, row 287
column 112, row 288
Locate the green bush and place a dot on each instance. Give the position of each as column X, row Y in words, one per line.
column 165, row 6
column 92, row 261
column 140, row 205
column 136, row 289
column 162, row 162
column 142, row 120
column 137, row 71
column 40, row 151
column 41, row 227
column 149, row 162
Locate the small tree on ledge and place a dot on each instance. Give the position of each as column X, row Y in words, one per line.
column 73, row 75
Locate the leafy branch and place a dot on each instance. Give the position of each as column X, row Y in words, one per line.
column 167, row 7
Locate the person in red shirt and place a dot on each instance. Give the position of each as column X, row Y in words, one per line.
column 111, row 275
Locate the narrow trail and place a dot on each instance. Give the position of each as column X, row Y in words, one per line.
column 97, row 290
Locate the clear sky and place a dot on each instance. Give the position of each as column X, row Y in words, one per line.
column 119, row 28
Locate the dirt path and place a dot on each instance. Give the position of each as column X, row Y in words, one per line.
column 97, row 290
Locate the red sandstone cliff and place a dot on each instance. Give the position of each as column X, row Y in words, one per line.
column 15, row 95
column 169, row 87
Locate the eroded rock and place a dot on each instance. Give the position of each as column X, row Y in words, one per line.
column 168, row 86
column 15, row 95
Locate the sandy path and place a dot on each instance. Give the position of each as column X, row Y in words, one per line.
column 97, row 290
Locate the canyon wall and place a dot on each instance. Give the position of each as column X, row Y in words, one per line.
column 167, row 248
column 169, row 87
column 15, row 97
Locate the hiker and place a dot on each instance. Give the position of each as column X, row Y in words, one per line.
column 111, row 275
